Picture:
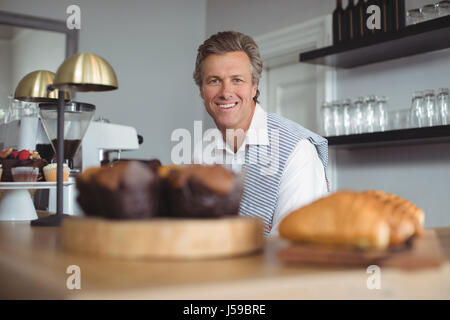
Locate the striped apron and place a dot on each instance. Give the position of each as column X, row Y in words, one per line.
column 264, row 166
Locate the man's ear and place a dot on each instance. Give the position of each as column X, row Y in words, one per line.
column 254, row 90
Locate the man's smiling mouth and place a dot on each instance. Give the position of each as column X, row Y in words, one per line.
column 226, row 106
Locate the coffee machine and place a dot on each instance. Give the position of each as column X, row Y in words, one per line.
column 103, row 140
column 100, row 142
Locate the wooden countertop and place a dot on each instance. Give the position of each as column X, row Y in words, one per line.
column 33, row 266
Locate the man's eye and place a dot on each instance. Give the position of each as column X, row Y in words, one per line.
column 214, row 81
column 237, row 80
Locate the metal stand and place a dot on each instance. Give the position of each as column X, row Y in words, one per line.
column 55, row 219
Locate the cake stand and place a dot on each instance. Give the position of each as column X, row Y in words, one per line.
column 16, row 203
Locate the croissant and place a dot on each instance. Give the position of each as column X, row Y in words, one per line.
column 369, row 219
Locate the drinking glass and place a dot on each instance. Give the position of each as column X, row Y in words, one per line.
column 443, row 8
column 381, row 116
column 337, row 118
column 4, row 114
column 20, row 109
column 327, row 117
column 414, row 16
column 418, row 111
column 369, row 114
column 399, row 119
column 345, row 109
column 442, row 106
column 14, row 108
column 356, row 117
column 429, row 12
column 30, row 109
column 430, row 107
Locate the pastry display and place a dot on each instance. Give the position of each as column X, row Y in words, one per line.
column 11, row 158
column 370, row 219
column 123, row 190
column 50, row 172
column 200, row 191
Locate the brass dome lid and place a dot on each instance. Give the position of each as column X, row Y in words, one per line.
column 85, row 72
column 33, row 87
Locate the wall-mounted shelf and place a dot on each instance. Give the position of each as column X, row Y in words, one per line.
column 415, row 39
column 414, row 136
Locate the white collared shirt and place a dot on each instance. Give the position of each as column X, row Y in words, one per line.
column 303, row 179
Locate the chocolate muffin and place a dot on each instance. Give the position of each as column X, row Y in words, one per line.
column 88, row 195
column 125, row 190
column 154, row 165
column 200, row 191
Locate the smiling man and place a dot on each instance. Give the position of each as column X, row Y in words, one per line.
column 285, row 164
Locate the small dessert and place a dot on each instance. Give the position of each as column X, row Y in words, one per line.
column 200, row 191
column 50, row 172
column 25, row 174
column 124, row 190
column 11, row 158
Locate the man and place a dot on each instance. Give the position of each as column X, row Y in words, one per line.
column 285, row 164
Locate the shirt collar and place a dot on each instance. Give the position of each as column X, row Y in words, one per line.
column 257, row 133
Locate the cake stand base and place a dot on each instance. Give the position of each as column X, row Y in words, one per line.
column 53, row 220
column 16, row 205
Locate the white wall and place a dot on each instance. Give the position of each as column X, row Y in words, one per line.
column 152, row 47
column 256, row 17
column 5, row 73
column 420, row 173
column 35, row 50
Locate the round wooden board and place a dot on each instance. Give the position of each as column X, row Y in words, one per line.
column 163, row 238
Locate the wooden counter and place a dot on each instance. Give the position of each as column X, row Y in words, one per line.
column 33, row 266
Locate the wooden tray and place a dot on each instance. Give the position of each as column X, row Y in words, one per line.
column 419, row 252
column 163, row 238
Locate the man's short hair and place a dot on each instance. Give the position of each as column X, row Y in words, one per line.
column 230, row 41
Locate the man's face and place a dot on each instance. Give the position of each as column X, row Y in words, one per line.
column 227, row 89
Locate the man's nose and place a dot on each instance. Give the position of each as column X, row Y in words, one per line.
column 227, row 90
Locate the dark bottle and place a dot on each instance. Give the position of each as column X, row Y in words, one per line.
column 360, row 19
column 397, row 13
column 338, row 23
column 349, row 15
column 386, row 19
